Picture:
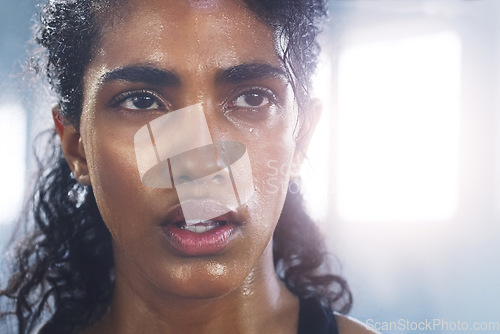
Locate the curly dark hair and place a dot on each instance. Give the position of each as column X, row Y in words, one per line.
column 63, row 268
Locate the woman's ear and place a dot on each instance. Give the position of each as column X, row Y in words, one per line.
column 72, row 147
column 307, row 124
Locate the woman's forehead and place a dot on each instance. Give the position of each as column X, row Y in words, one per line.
column 220, row 33
column 155, row 16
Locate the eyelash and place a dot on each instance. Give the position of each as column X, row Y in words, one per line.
column 266, row 93
column 123, row 97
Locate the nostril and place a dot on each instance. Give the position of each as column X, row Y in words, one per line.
column 218, row 178
column 182, row 179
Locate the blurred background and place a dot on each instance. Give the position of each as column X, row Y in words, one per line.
column 403, row 171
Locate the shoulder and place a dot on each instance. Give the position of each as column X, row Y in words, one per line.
column 349, row 325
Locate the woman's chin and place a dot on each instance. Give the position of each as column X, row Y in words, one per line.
column 205, row 290
column 200, row 280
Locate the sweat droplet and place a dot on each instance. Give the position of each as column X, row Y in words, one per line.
column 251, row 130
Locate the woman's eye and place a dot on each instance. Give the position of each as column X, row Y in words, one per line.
column 254, row 104
column 251, row 100
column 140, row 101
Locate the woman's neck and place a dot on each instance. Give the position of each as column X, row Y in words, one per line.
column 261, row 304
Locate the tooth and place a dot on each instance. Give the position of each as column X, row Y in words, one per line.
column 193, row 222
column 201, row 226
column 189, row 228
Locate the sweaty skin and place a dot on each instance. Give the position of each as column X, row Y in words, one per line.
column 158, row 56
column 214, row 53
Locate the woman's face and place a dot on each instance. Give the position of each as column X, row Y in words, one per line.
column 160, row 56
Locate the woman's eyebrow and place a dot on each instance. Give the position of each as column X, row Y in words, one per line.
column 251, row 71
column 157, row 76
column 143, row 73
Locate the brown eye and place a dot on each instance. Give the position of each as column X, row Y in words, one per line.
column 143, row 102
column 253, row 104
column 139, row 101
column 251, row 100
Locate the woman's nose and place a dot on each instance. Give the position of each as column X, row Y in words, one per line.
column 178, row 144
column 202, row 168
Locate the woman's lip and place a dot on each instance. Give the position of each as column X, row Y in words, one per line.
column 200, row 244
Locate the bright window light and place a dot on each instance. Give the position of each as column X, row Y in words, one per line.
column 399, row 114
column 316, row 169
column 12, row 152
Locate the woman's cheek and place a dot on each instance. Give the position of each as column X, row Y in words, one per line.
column 271, row 176
column 115, row 179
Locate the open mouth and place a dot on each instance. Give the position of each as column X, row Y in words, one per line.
column 200, row 226
column 201, row 235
